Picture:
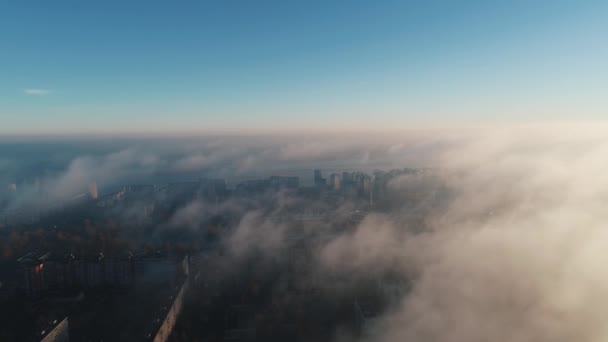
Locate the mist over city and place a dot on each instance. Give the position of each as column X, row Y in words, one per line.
column 319, row 171
column 473, row 236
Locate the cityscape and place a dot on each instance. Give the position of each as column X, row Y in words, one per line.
column 303, row 171
column 64, row 290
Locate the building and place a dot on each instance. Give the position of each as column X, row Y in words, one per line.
column 33, row 281
column 213, row 189
column 253, row 187
column 347, row 178
column 363, row 183
column 348, row 185
column 140, row 190
column 52, row 274
column 318, row 179
column 118, row 272
column 93, row 194
column 284, row 182
column 183, row 191
column 95, row 271
column 261, row 186
column 335, row 182
column 45, row 273
column 156, row 267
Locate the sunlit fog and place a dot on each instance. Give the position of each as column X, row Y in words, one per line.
column 317, row 171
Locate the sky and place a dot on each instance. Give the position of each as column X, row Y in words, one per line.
column 159, row 66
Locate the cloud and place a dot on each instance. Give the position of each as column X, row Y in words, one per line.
column 36, row 92
column 516, row 256
column 515, row 251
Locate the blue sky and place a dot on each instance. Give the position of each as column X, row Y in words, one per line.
column 74, row 66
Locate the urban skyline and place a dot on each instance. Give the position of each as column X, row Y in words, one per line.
column 307, row 171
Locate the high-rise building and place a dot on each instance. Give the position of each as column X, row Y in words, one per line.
column 93, row 194
column 366, row 185
column 347, row 178
column 319, row 180
column 335, row 181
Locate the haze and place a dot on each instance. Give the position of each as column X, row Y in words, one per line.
column 319, row 171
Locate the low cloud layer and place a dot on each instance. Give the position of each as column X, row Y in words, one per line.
column 503, row 239
column 63, row 172
column 519, row 253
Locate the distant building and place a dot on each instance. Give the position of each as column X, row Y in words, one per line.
column 183, row 191
column 318, row 179
column 347, row 178
column 95, row 271
column 49, row 274
column 140, row 190
column 284, row 182
column 364, row 183
column 253, row 187
column 93, row 194
column 33, row 281
column 117, row 273
column 12, row 187
column 335, row 181
column 156, row 267
column 261, row 186
column 213, row 189
column 141, row 199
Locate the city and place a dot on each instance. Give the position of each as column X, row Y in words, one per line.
column 303, row 171
column 83, row 271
